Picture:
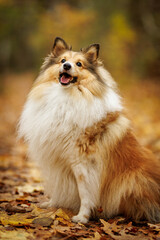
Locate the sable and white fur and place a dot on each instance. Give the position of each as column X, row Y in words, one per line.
column 79, row 135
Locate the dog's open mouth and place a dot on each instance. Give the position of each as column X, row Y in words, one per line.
column 66, row 79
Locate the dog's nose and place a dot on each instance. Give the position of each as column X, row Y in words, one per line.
column 66, row 66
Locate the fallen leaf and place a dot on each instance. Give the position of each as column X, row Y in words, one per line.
column 97, row 236
column 15, row 220
column 36, row 210
column 60, row 213
column 64, row 222
column 119, row 232
column 45, row 221
column 107, row 228
column 17, row 209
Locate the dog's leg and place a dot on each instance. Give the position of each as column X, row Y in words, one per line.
column 87, row 183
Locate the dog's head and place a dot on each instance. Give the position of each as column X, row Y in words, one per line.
column 82, row 70
column 73, row 66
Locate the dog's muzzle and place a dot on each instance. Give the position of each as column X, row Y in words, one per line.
column 66, row 79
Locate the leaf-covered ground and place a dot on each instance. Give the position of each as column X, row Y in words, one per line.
column 20, row 183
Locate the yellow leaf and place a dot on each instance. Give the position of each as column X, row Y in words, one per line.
column 97, row 236
column 64, row 221
column 60, row 213
column 37, row 211
column 17, row 219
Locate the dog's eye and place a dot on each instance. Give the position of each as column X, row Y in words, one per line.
column 79, row 64
column 63, row 60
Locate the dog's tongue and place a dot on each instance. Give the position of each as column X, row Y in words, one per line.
column 65, row 79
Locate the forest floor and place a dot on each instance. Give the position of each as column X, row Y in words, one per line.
column 20, row 181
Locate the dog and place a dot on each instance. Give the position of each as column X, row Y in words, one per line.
column 76, row 129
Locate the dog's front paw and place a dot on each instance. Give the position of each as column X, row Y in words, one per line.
column 80, row 218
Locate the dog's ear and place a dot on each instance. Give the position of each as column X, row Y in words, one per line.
column 59, row 46
column 92, row 52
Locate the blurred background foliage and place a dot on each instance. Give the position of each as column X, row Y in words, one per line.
column 127, row 30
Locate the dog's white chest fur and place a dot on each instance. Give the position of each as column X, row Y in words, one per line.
column 55, row 121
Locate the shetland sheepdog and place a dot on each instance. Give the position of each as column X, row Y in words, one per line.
column 76, row 129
